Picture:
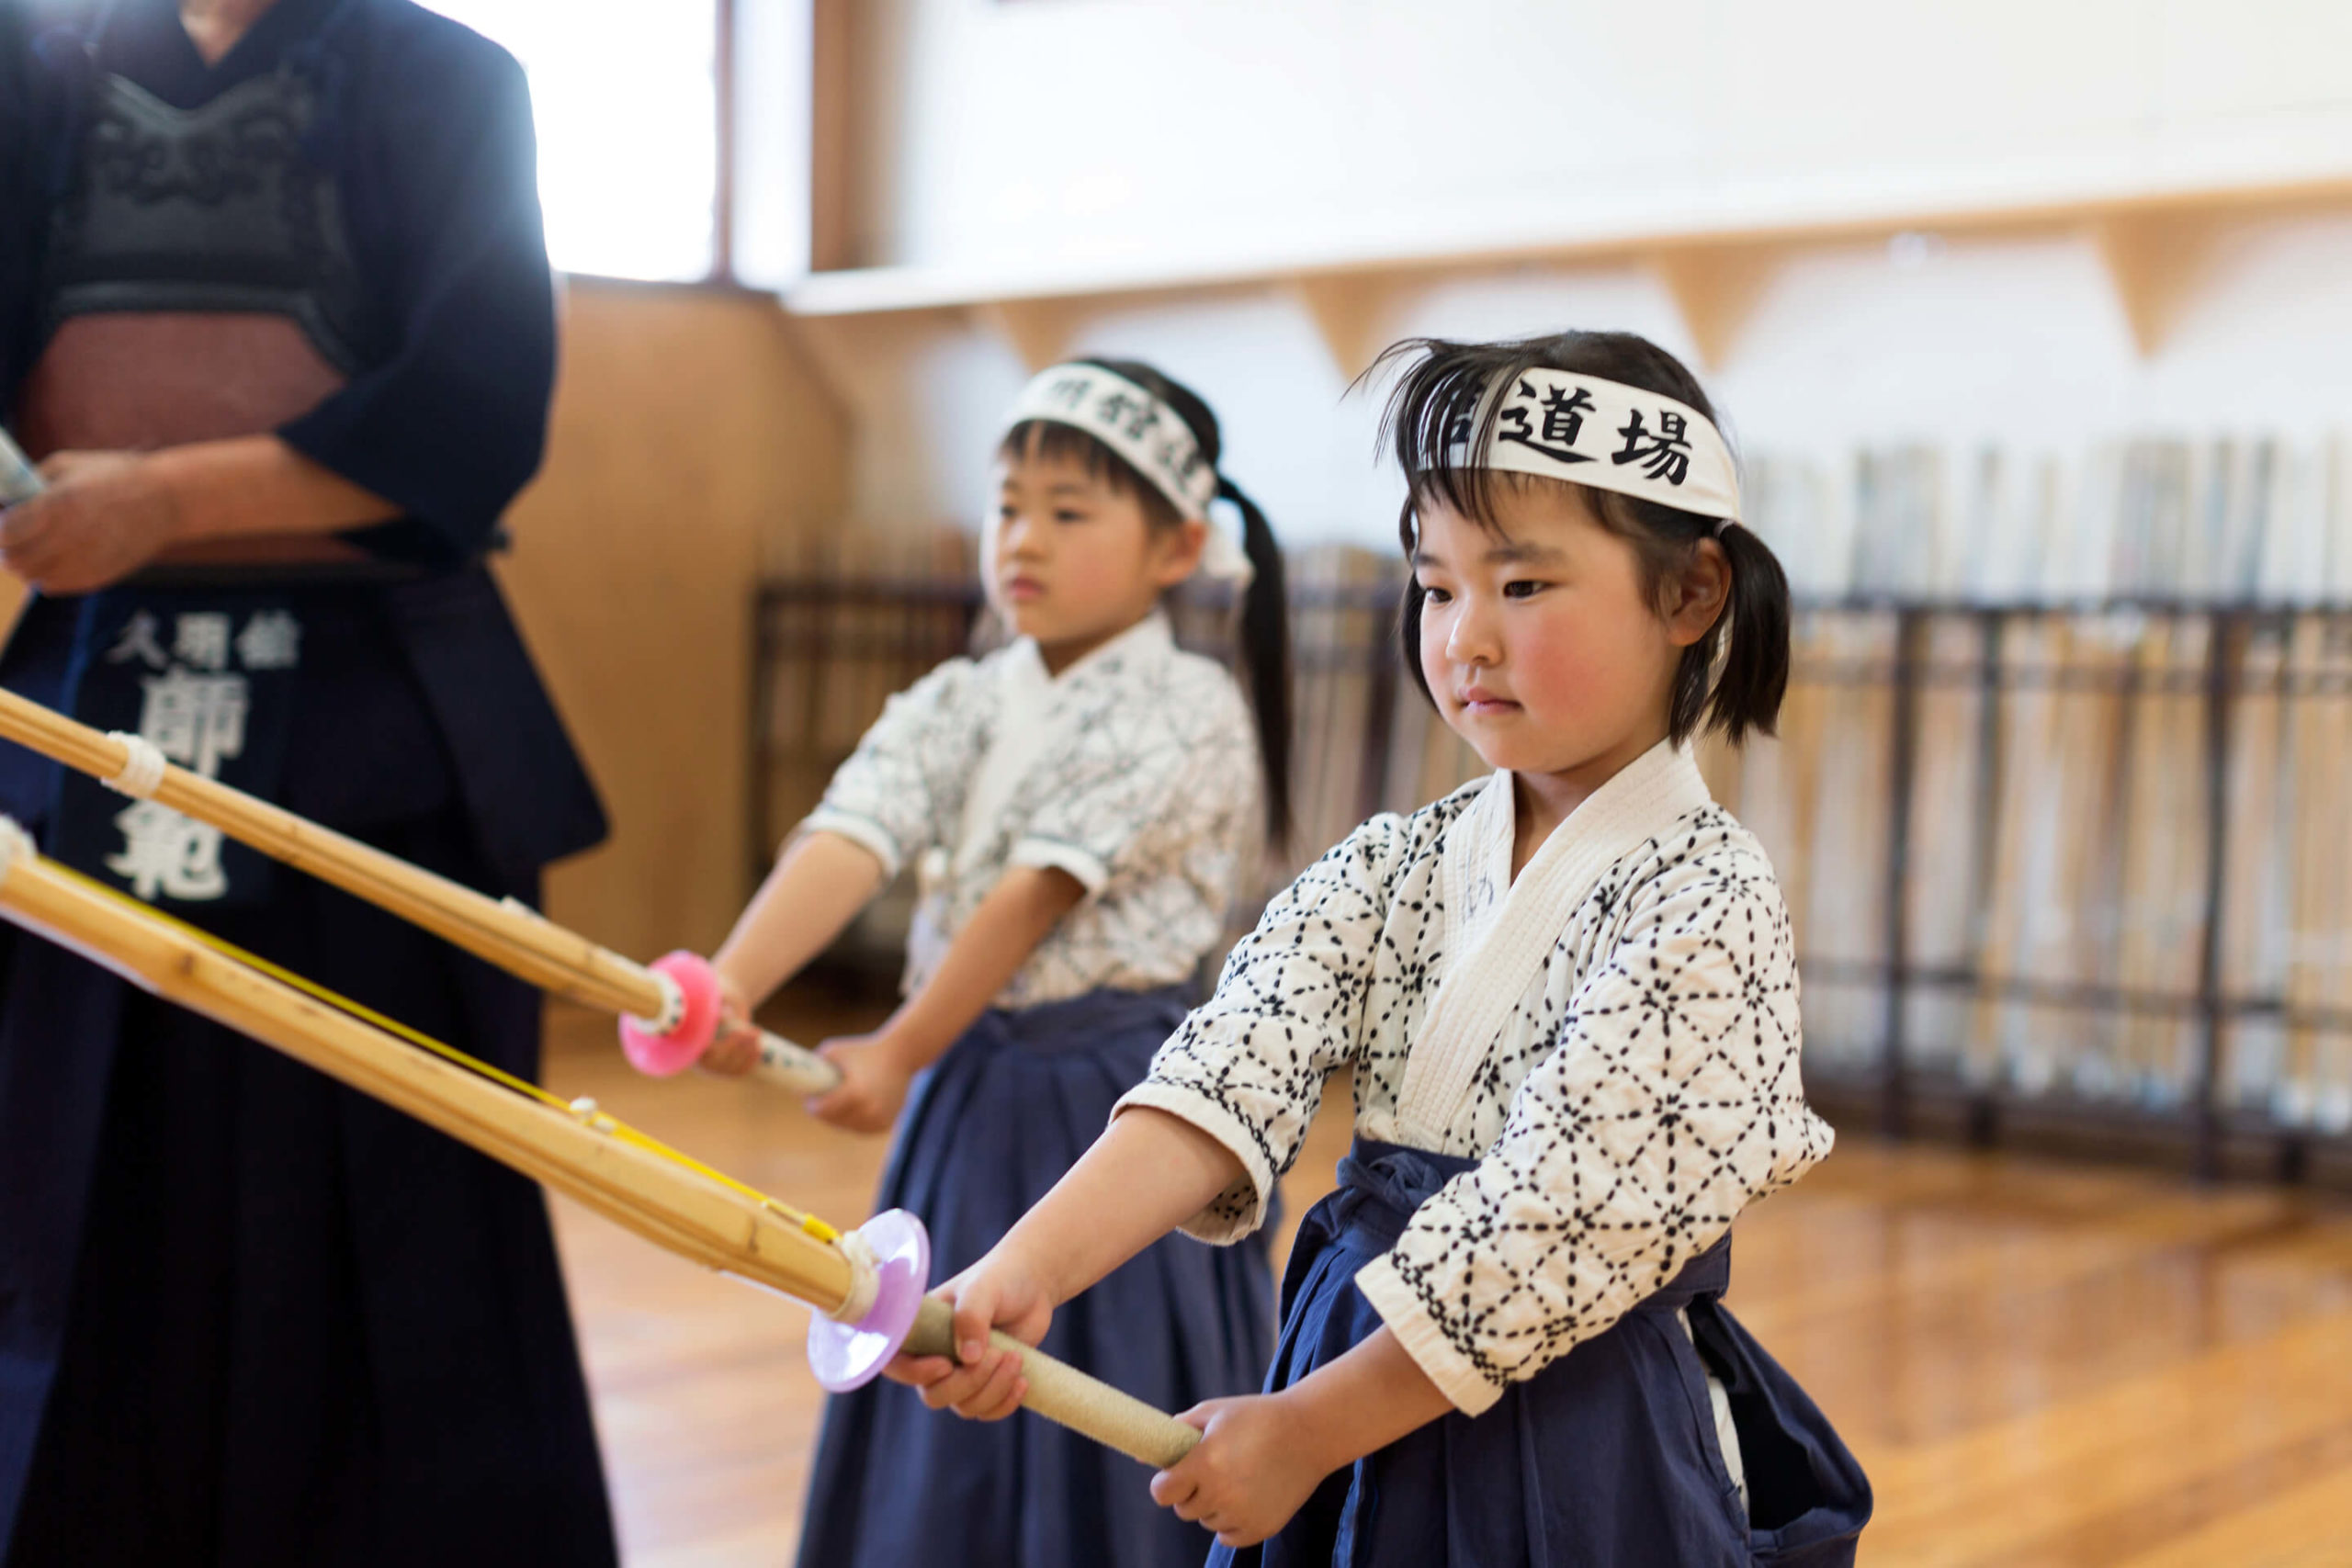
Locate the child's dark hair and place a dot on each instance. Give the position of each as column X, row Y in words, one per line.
column 1732, row 679
column 1265, row 618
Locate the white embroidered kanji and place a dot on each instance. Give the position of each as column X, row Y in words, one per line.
column 1147, row 790
column 196, row 720
column 164, row 853
column 200, row 639
column 271, row 640
column 1643, row 1090
column 138, row 641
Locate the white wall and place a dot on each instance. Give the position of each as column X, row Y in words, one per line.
column 1032, row 130
column 1047, row 131
column 2019, row 342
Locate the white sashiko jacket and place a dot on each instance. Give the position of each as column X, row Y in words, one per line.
column 1614, row 1037
column 1135, row 770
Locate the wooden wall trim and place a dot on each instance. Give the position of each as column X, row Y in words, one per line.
column 834, row 244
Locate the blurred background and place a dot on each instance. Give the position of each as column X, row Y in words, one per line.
column 2028, row 321
column 2031, row 321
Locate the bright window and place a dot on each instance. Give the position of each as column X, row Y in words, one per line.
column 626, row 97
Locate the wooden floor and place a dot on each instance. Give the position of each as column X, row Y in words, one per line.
column 2037, row 1363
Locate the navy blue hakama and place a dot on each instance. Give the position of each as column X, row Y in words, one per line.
column 988, row 1129
column 249, row 1316
column 1606, row 1459
column 303, row 1329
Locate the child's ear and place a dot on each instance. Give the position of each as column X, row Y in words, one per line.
column 1695, row 593
column 1176, row 552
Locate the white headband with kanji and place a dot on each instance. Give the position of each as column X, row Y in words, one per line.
column 1606, row 434
column 1151, row 436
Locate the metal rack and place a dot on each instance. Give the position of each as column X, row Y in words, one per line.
column 1896, row 1096
column 1893, row 1078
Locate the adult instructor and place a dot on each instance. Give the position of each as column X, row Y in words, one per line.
column 288, row 346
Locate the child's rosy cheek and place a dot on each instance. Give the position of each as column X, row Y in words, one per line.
column 1552, row 656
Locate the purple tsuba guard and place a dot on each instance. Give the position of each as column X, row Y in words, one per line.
column 850, row 1355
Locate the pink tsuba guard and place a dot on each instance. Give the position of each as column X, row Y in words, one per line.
column 666, row 1052
column 850, row 1355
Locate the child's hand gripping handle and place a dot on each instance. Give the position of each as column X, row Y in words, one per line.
column 694, row 1015
column 889, row 1312
column 1060, row 1393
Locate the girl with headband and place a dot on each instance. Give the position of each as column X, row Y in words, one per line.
column 1569, row 998
column 1081, row 808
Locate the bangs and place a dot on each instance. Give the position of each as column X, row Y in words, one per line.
column 1440, row 415
column 1045, row 440
column 1444, row 408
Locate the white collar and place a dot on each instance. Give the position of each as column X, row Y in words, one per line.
column 1493, row 946
column 1028, row 725
column 1150, row 639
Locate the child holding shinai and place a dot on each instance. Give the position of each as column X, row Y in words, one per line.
column 1570, row 1000
column 1082, row 807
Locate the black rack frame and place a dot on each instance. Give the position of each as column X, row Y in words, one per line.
column 1895, row 1097
column 1896, row 1100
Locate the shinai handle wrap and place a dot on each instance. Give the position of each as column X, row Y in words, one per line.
column 1062, row 1393
column 796, row 1067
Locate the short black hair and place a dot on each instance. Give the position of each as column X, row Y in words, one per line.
column 1731, row 680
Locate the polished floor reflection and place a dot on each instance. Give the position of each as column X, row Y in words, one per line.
column 2039, row 1363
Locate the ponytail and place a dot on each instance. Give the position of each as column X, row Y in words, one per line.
column 1732, row 678
column 1752, row 675
column 1265, row 655
column 1265, row 611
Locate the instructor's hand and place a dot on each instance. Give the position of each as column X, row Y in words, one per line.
column 104, row 516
